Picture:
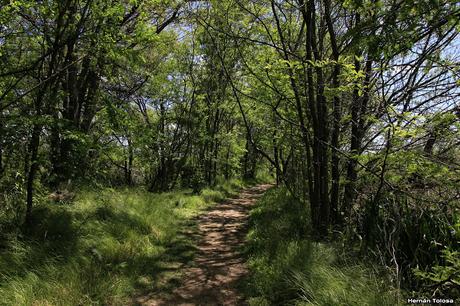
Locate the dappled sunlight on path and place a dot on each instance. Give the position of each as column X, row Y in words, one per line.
column 218, row 267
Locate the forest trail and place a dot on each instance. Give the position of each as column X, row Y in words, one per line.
column 218, row 267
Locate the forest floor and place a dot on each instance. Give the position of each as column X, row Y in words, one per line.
column 213, row 277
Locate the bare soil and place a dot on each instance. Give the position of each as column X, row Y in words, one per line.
column 218, row 267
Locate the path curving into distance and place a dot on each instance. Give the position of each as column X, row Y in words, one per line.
column 218, row 267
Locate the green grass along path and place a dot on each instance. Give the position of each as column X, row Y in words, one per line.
column 218, row 267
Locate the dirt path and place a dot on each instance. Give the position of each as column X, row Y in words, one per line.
column 218, row 267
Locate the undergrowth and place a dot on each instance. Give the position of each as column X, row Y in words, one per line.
column 104, row 248
column 287, row 268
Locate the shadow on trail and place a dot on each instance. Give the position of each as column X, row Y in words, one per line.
column 214, row 275
column 69, row 241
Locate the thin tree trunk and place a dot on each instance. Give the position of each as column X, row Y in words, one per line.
column 358, row 112
column 33, row 151
column 129, row 164
column 1, row 149
column 337, row 113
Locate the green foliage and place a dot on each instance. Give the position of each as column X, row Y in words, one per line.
column 12, row 194
column 413, row 218
column 443, row 279
column 288, row 268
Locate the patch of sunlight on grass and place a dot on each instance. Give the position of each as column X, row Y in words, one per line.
column 289, row 269
column 106, row 247
column 210, row 195
column 327, row 283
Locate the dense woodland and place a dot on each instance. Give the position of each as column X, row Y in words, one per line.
column 351, row 107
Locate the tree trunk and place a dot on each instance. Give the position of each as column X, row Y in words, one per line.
column 337, row 113
column 129, row 164
column 358, row 112
column 33, row 151
column 1, row 149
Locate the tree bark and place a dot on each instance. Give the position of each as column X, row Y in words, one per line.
column 358, row 112
column 337, row 113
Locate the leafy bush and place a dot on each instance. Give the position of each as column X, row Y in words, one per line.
column 443, row 279
column 405, row 221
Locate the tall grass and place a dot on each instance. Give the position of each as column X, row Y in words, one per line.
column 104, row 248
column 287, row 268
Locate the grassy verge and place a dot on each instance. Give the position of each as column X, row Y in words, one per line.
column 103, row 248
column 288, row 269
